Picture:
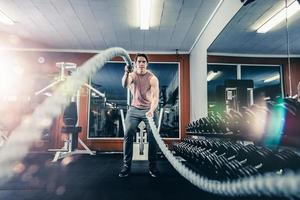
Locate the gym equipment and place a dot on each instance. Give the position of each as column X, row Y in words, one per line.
column 67, row 67
column 270, row 121
column 140, row 146
column 129, row 68
column 238, row 93
column 225, row 159
column 70, row 117
column 71, row 128
column 270, row 184
column 141, row 137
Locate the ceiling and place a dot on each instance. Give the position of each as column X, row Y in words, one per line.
column 240, row 37
column 94, row 25
column 100, row 24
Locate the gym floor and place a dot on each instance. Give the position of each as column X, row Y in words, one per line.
column 96, row 177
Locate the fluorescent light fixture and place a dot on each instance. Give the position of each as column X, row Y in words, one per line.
column 279, row 17
column 273, row 78
column 144, row 14
column 5, row 19
column 211, row 75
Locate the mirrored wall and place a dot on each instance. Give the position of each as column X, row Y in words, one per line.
column 267, row 79
column 253, row 52
column 104, row 119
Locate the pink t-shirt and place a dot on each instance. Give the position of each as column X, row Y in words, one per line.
column 141, row 90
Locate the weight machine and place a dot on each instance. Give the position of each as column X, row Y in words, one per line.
column 70, row 116
column 140, row 146
column 238, row 94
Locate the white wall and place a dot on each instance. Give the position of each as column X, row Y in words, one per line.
column 198, row 57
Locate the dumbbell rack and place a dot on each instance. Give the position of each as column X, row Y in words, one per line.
column 235, row 127
column 223, row 159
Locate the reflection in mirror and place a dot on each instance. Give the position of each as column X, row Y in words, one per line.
column 104, row 113
column 168, row 76
column 262, row 41
column 250, row 36
column 293, row 46
column 216, row 75
column 267, row 83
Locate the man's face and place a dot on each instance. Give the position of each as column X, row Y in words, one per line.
column 141, row 65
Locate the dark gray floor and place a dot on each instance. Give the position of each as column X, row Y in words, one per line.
column 96, row 177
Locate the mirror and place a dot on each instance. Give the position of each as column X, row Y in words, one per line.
column 105, row 119
column 104, row 113
column 260, row 55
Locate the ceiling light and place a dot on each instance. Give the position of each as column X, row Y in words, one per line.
column 144, row 14
column 279, row 17
column 5, row 19
column 273, row 78
column 211, row 75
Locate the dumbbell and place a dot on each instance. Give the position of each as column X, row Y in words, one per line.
column 185, row 150
column 224, row 152
column 191, row 127
column 253, row 161
column 293, row 104
column 236, row 121
column 202, row 156
column 190, row 149
column 200, row 126
column 217, row 165
column 216, row 124
column 205, row 125
column 287, row 159
column 259, row 160
column 248, row 161
column 249, row 120
column 221, row 123
column 255, row 120
column 215, row 160
column 240, row 161
column 215, row 146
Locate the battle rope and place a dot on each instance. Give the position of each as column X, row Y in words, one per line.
column 31, row 127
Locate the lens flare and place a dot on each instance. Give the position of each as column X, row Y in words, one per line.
column 276, row 125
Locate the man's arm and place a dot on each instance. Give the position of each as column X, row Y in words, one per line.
column 126, row 80
column 154, row 96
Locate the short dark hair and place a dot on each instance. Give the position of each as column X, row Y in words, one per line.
column 141, row 55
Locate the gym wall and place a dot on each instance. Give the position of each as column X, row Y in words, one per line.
column 34, row 65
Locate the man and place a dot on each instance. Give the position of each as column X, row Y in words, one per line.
column 144, row 88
